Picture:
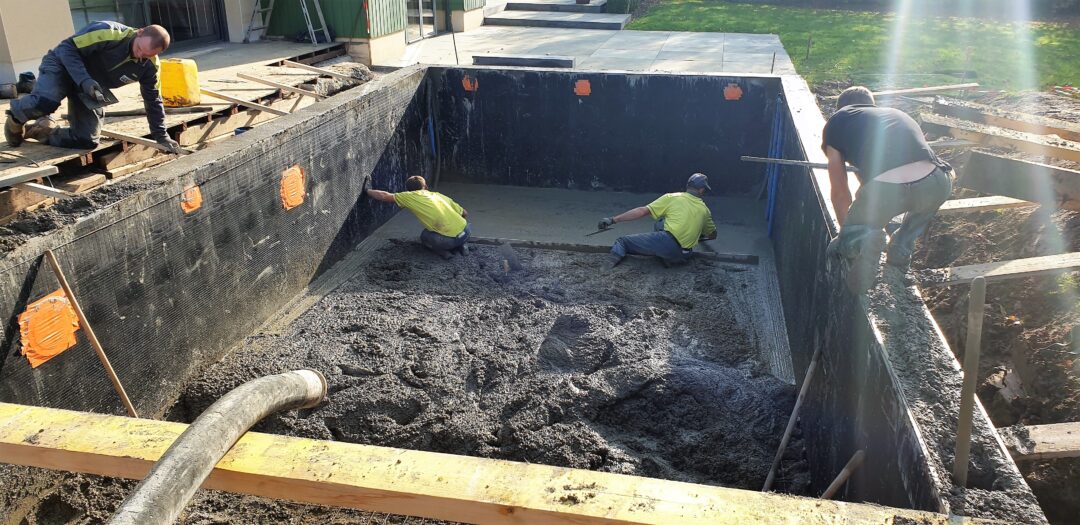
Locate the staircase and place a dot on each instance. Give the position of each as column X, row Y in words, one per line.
column 556, row 13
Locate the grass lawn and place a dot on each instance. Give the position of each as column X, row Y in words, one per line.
column 859, row 45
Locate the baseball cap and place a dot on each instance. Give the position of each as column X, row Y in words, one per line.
column 698, row 181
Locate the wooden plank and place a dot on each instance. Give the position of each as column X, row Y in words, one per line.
column 283, row 87
column 245, row 103
column 47, row 191
column 999, row 271
column 1039, row 442
column 999, row 137
column 134, row 154
column 82, row 183
column 1030, row 181
column 992, row 116
column 13, row 176
column 931, row 89
column 410, row 482
column 738, row 258
column 137, row 140
column 227, row 124
column 320, row 71
column 15, row 200
column 983, row 204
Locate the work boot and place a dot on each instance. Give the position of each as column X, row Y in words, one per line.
column 13, row 131
column 39, row 130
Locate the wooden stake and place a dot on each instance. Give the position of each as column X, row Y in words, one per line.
column 846, row 473
column 791, row 420
column 90, row 333
column 976, row 305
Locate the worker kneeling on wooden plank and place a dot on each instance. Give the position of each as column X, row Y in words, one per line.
column 682, row 220
column 898, row 173
column 101, row 56
column 446, row 230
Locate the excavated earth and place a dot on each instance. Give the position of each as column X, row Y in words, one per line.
column 638, row 370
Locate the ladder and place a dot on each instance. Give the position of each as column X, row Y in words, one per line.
column 269, row 10
column 307, row 20
column 255, row 12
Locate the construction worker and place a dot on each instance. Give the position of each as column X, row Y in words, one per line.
column 446, row 230
column 102, row 56
column 682, row 219
column 898, row 174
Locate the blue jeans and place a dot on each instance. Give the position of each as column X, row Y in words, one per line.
column 658, row 242
column 440, row 243
column 53, row 86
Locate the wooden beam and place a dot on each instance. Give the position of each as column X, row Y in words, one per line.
column 283, row 87
column 992, row 116
column 1038, row 442
column 242, row 102
column 410, row 482
column 998, row 137
column 999, row 271
column 13, row 176
column 1030, row 181
column 739, row 258
column 983, row 204
column 924, row 90
column 131, row 139
column 931, row 89
column 47, row 191
column 320, row 71
column 226, row 124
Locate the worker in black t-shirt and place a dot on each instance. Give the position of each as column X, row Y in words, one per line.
column 898, row 173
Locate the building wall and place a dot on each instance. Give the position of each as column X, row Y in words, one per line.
column 346, row 18
column 24, row 39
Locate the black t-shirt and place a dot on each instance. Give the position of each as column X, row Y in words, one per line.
column 875, row 140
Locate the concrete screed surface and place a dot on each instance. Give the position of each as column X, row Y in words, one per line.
column 639, row 370
column 597, row 49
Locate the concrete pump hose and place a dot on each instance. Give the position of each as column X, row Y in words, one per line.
column 163, row 493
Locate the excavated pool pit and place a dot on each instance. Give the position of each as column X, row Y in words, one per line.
column 170, row 292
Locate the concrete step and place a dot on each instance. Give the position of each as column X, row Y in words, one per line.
column 561, row 20
column 561, row 6
column 493, row 7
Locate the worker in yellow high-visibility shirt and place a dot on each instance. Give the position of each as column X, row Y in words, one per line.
column 682, row 220
column 446, row 230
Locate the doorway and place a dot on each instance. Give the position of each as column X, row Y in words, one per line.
column 420, row 16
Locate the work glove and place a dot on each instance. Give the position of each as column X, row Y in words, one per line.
column 606, row 223
column 170, row 145
column 92, row 89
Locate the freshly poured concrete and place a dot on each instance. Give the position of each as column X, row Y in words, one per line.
column 615, row 50
column 566, row 216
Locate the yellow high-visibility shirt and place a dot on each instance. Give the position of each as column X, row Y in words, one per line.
column 436, row 211
column 685, row 216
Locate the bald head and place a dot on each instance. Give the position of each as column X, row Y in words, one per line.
column 150, row 41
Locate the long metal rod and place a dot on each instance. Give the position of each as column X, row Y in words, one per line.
column 976, row 305
column 792, row 419
column 85, row 324
column 787, row 162
column 849, row 469
column 163, row 493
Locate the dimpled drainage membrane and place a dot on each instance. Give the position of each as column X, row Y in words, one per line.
column 639, row 370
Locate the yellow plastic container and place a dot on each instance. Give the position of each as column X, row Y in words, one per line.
column 179, row 82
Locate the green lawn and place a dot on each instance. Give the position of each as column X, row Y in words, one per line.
column 854, row 45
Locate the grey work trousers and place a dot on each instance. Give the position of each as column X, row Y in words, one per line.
column 53, row 86
column 876, row 203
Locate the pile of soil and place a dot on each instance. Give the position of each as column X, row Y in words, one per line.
column 638, row 370
column 1030, row 360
